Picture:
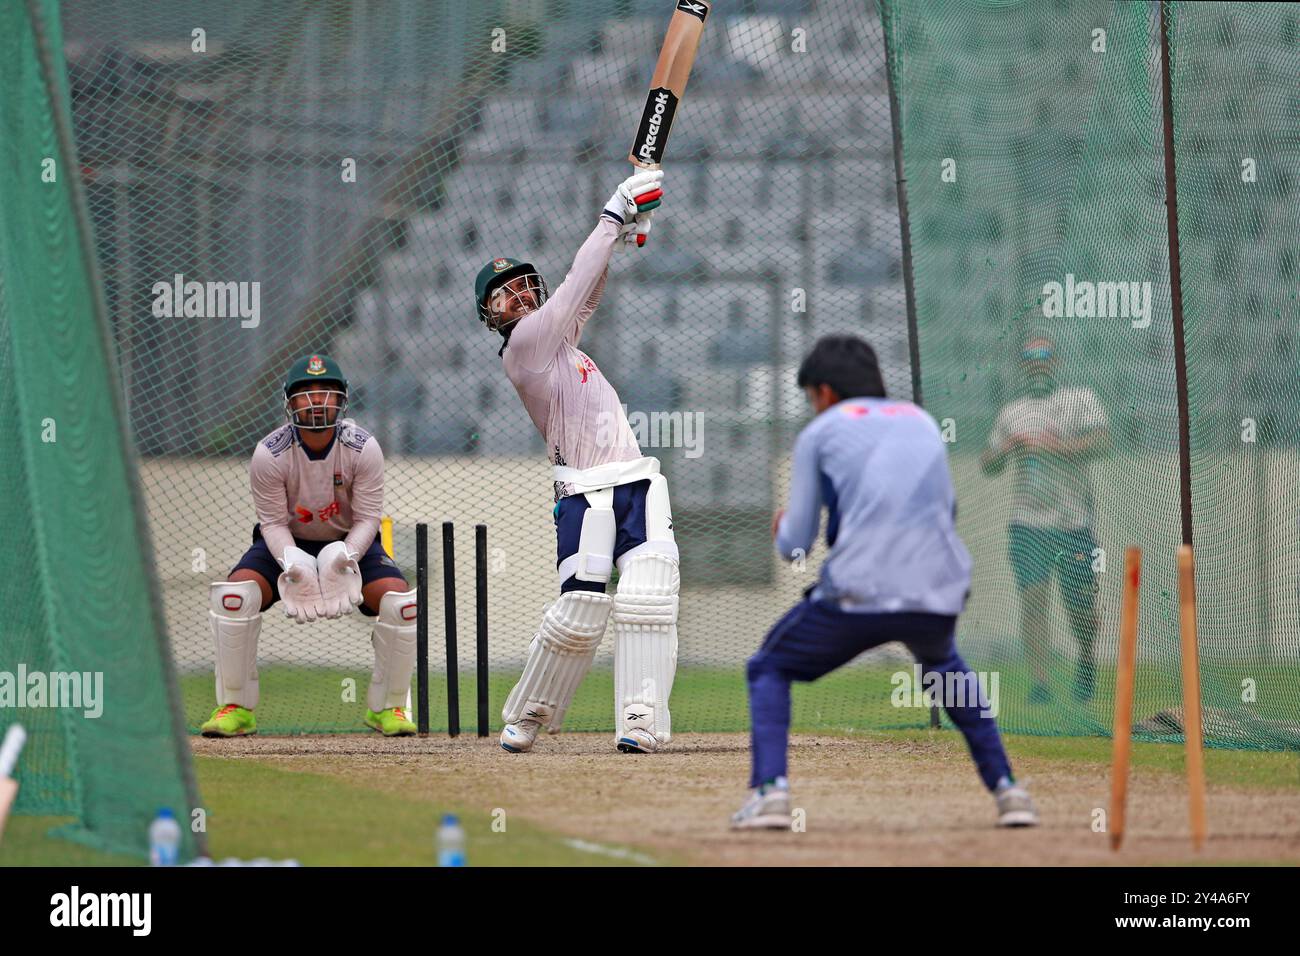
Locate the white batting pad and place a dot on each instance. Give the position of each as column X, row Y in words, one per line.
column 394, row 642
column 235, row 620
column 558, row 658
column 645, row 641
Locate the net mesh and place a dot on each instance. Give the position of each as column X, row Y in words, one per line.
column 1237, row 133
column 81, row 663
column 1033, row 143
column 219, row 145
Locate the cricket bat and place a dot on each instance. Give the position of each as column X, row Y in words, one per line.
column 668, row 84
column 9, row 751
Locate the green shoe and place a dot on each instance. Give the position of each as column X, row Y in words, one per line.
column 230, row 720
column 392, row 722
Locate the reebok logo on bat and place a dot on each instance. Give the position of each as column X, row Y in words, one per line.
column 655, row 123
column 694, row 9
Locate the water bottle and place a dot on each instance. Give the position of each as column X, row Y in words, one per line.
column 451, row 842
column 164, row 839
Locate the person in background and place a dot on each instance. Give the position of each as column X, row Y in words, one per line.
column 1051, row 435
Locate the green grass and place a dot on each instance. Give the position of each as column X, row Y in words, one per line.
column 27, row 843
column 256, row 810
column 713, row 699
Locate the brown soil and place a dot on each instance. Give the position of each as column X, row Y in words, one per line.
column 867, row 800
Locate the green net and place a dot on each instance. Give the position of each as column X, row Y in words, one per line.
column 1237, row 135
column 361, row 161
column 1033, row 143
column 82, row 665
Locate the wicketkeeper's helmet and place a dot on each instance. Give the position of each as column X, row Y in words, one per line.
column 325, row 377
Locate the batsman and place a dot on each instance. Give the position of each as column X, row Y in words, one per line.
column 611, row 503
column 318, row 489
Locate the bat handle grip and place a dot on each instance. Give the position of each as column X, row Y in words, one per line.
column 15, row 737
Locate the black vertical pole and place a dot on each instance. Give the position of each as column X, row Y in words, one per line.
column 422, row 628
column 1176, row 283
column 480, row 617
column 900, row 182
column 449, row 607
column 905, row 228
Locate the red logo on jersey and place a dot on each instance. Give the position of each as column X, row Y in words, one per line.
column 329, row 511
column 304, row 514
column 585, row 367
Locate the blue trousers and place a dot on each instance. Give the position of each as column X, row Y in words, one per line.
column 816, row 637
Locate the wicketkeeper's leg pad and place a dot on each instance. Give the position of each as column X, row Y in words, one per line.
column 393, row 639
column 235, row 620
column 558, row 658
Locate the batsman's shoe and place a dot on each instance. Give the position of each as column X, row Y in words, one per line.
column 637, row 741
column 1015, row 808
column 229, row 720
column 392, row 722
column 518, row 738
column 768, row 808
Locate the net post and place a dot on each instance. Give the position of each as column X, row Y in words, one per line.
column 1176, row 280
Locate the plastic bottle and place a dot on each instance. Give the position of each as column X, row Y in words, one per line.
column 164, row 839
column 451, row 842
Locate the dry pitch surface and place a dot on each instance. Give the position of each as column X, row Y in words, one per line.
column 867, row 800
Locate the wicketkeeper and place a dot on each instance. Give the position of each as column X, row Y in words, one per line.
column 318, row 489
column 896, row 571
column 611, row 501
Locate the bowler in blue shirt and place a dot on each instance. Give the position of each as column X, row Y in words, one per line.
column 896, row 571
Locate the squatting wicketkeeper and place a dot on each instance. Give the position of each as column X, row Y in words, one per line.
column 318, row 489
column 611, row 502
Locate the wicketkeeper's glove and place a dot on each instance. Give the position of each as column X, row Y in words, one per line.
column 340, row 579
column 299, row 586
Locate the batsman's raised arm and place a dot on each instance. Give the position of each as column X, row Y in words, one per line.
column 537, row 336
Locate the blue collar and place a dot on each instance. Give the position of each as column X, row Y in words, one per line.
column 314, row 455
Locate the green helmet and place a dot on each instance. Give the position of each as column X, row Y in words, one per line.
column 317, row 370
column 500, row 271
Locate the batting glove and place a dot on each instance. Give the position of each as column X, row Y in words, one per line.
column 635, row 197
